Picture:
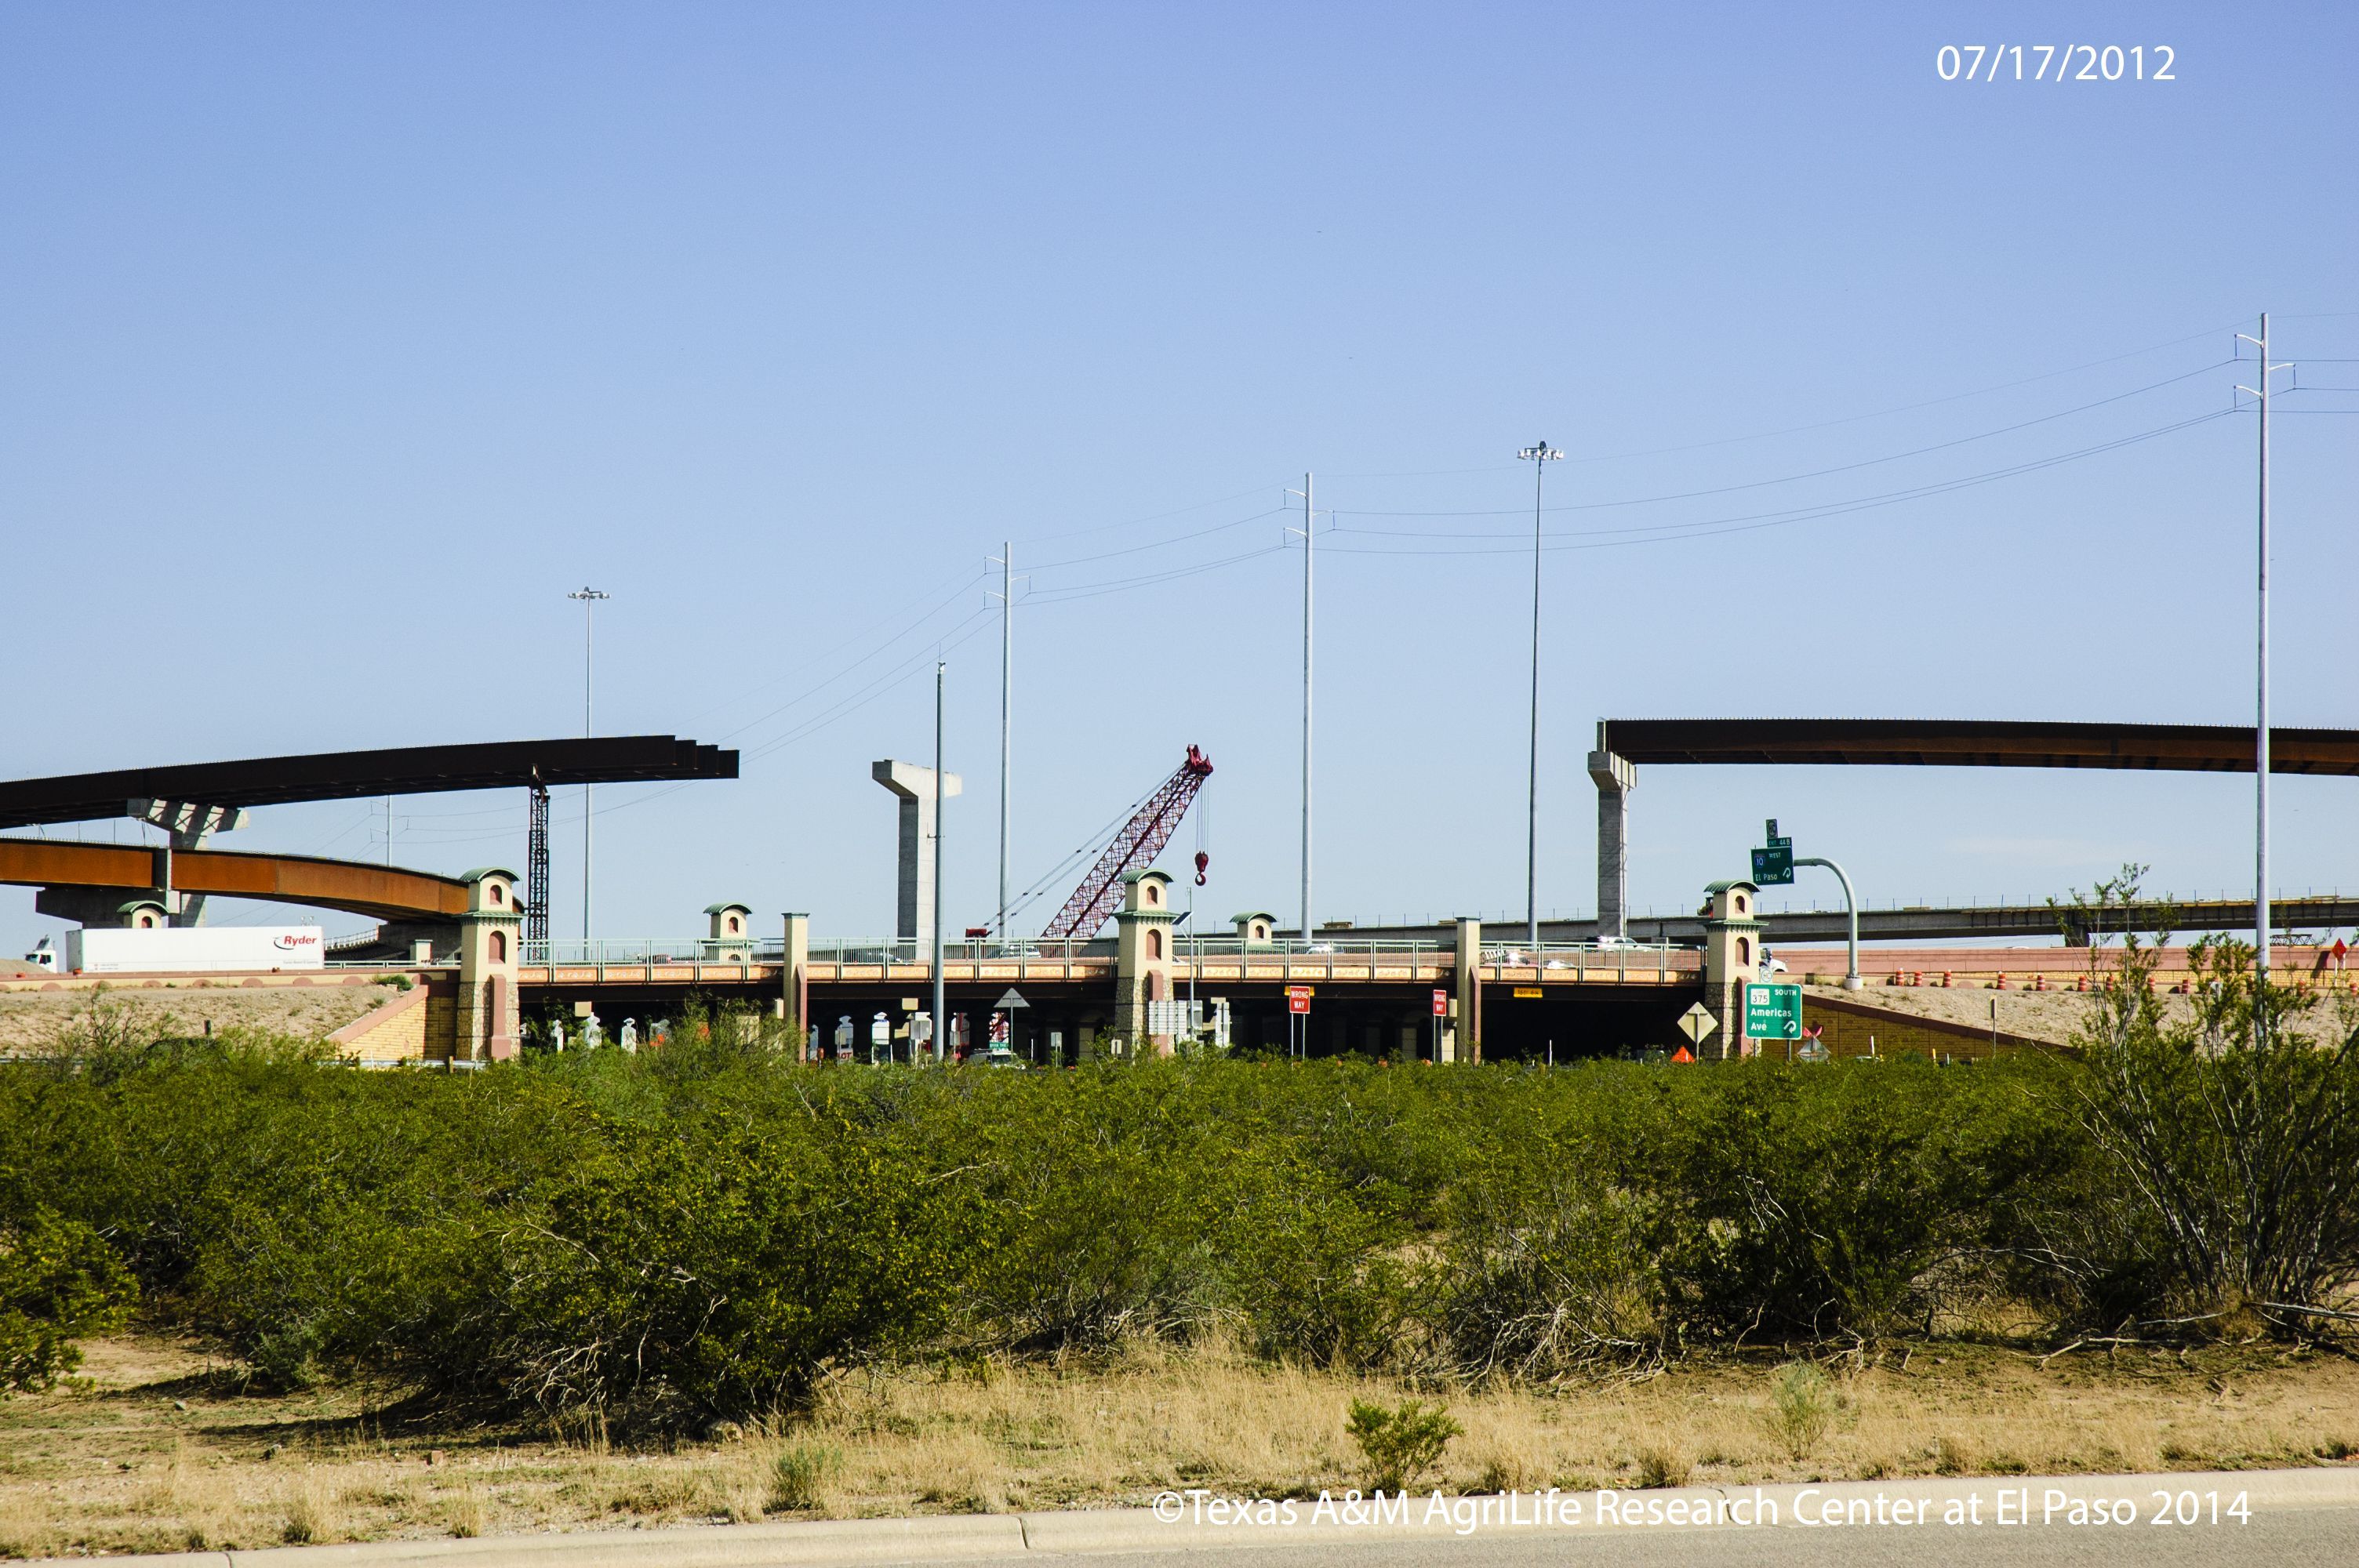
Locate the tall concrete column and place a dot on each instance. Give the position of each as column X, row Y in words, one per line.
column 1467, row 980
column 914, row 910
column 1616, row 777
column 794, row 975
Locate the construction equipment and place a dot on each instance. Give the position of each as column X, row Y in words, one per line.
column 1141, row 839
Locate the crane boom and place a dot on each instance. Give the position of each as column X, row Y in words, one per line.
column 1141, row 839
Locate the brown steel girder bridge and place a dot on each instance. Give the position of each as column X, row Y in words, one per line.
column 1624, row 744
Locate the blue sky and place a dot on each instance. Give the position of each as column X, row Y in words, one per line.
column 343, row 342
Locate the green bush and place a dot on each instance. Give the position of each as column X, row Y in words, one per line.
column 702, row 1232
column 1400, row 1445
column 1802, row 1404
column 800, row 1474
column 1812, row 1203
column 2227, row 1190
column 60, row 1283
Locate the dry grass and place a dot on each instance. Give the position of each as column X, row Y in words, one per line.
column 30, row 1019
column 120, row 1465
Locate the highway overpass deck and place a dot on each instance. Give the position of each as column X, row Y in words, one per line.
column 1931, row 922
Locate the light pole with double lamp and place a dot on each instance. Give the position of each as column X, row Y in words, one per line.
column 1539, row 457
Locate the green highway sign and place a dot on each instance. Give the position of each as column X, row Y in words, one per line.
column 1773, row 1012
column 1774, row 867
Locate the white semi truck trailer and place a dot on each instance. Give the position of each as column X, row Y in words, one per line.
column 195, row 949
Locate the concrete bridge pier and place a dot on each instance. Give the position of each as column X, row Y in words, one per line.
column 1616, row 777
column 914, row 909
column 1464, row 1042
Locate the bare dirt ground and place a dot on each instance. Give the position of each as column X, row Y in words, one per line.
column 159, row 1450
column 31, row 1019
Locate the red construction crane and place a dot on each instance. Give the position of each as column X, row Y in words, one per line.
column 1141, row 839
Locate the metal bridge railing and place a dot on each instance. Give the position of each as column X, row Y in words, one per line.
column 1620, row 957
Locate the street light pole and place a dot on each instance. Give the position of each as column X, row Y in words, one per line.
column 1851, row 981
column 2262, row 924
column 1006, row 689
column 589, row 597
column 1539, row 457
column 1310, row 524
column 942, row 1020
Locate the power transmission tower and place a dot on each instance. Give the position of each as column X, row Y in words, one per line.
column 536, row 871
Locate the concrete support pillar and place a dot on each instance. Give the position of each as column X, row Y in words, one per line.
column 794, row 974
column 190, row 824
column 1467, row 986
column 914, row 907
column 1616, row 777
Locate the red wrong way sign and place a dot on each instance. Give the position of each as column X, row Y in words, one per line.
column 1440, row 1003
column 1298, row 999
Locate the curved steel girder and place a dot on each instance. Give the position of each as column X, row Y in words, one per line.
column 381, row 892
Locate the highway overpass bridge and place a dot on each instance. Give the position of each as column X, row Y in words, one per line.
column 1584, row 986
column 1623, row 745
column 1921, row 923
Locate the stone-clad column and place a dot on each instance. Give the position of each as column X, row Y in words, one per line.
column 488, row 933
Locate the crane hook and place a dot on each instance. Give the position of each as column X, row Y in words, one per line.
column 1203, row 859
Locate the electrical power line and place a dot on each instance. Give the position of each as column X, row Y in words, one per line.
column 1667, row 532
column 1812, row 473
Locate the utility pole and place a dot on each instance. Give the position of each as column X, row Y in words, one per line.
column 1309, row 518
column 1539, row 457
column 1006, row 687
column 589, row 597
column 2261, row 920
column 942, row 1020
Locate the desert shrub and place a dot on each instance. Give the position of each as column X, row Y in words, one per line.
column 1113, row 1191
column 1547, row 1281
column 1315, row 1277
column 1802, row 1404
column 685, row 1279
column 1547, row 1260
column 2228, row 1186
column 1402, row 1443
column 60, row 1283
column 1812, row 1202
column 800, row 1475
column 702, row 1232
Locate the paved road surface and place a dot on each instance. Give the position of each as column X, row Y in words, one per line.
column 2297, row 1519
column 2316, row 1537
